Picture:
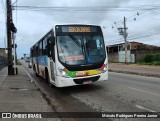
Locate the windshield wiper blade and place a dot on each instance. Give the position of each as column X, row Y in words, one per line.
column 75, row 40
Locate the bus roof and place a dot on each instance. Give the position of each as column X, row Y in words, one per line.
column 65, row 25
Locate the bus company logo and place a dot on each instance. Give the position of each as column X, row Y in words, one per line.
column 6, row 115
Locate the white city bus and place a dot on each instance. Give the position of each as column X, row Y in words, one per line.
column 71, row 55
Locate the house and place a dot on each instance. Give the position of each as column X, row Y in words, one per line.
column 3, row 58
column 3, row 52
column 136, row 51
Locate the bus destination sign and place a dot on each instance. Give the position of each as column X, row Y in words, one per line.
column 79, row 29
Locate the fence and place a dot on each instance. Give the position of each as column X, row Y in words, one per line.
column 3, row 62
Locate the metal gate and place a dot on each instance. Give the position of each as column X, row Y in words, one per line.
column 130, row 57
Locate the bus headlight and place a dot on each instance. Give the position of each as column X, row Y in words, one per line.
column 63, row 73
column 105, row 68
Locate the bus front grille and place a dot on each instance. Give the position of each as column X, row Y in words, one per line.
column 81, row 81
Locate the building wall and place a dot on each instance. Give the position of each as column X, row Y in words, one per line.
column 120, row 57
column 113, row 57
column 138, row 52
column 140, row 55
column 3, row 58
column 2, row 52
column 130, row 57
column 3, row 62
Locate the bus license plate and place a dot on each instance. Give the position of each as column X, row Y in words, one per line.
column 87, row 82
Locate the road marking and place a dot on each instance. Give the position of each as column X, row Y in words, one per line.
column 144, row 91
column 143, row 108
column 23, row 89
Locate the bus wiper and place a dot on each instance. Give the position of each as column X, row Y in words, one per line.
column 75, row 40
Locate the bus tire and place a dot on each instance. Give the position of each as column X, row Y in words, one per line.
column 47, row 78
column 34, row 69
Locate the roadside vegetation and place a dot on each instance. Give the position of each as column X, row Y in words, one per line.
column 18, row 63
column 151, row 59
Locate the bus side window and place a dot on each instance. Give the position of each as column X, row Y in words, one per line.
column 45, row 47
column 40, row 48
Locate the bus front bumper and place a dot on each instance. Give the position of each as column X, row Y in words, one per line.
column 64, row 82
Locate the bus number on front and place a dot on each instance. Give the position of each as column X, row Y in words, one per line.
column 79, row 29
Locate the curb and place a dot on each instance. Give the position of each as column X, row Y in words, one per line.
column 47, row 98
column 50, row 101
column 135, row 73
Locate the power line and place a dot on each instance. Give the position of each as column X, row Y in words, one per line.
column 145, row 33
column 15, row 2
column 146, row 11
column 138, row 37
column 141, row 15
column 143, row 36
column 88, row 8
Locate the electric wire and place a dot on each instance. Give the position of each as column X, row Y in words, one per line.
column 145, row 11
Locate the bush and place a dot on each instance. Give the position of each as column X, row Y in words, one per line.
column 149, row 58
column 158, row 57
column 152, row 57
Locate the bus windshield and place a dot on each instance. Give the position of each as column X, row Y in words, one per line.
column 80, row 49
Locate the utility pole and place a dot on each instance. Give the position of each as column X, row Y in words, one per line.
column 11, row 29
column 9, row 40
column 123, row 32
column 125, row 40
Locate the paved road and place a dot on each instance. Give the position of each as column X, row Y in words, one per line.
column 146, row 70
column 122, row 93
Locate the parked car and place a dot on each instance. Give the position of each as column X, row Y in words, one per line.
column 30, row 63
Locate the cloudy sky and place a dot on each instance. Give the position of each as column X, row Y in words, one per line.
column 143, row 19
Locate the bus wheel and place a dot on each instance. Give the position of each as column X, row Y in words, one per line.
column 47, row 78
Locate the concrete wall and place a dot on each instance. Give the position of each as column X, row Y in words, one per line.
column 120, row 57
column 3, row 62
column 113, row 57
column 140, row 55
column 138, row 52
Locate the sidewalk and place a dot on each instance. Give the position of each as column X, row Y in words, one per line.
column 19, row 94
column 143, row 70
